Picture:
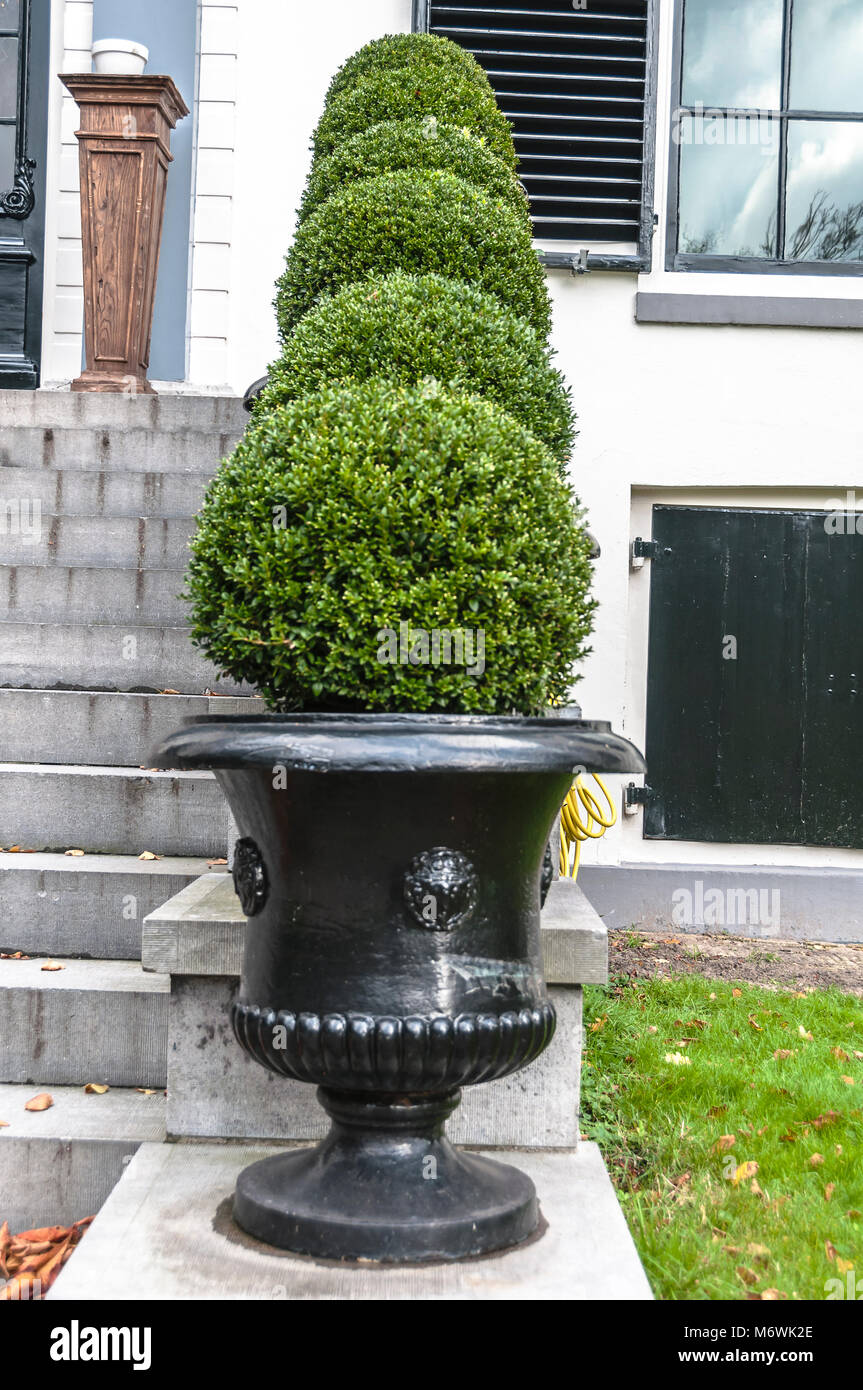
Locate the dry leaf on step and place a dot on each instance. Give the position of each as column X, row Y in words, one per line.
column 41, row 1102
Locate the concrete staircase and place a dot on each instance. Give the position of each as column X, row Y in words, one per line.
column 98, row 496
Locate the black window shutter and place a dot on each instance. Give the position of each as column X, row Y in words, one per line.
column 576, row 85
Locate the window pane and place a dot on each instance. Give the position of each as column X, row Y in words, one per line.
column 8, row 77
column 732, row 53
column 824, row 208
column 827, row 55
column 729, row 171
column 10, row 14
column 7, row 157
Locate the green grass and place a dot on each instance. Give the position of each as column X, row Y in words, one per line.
column 705, row 1225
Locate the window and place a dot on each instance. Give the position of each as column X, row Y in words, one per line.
column 767, row 137
column 576, row 79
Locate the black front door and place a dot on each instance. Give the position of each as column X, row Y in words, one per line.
column 24, row 56
column 755, row 677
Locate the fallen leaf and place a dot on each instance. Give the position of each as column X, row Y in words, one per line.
column 768, row 1296
column 736, row 993
column 4, row 1124
column 94, row 1089
column 211, row 863
column 14, row 849
column 753, row 1024
column 677, row 1059
column 803, row 1034
column 745, row 1170
column 169, row 692
column 829, row 1190
column 830, row 1250
column 838, row 1150
column 849, row 1080
column 52, row 965
column 712, row 996
column 41, row 1102
column 143, row 1091
column 844, row 1266
column 74, row 854
column 837, row 1052
column 725, row 1142
column 716, row 1110
column 828, row 1118
column 148, row 855
column 858, row 1055
column 652, row 1028
column 853, row 1214
column 815, row 1160
column 760, row 1252
column 747, row 1275
column 756, row 1189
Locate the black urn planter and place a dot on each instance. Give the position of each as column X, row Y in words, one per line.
column 390, row 866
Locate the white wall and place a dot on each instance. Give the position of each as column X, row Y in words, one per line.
column 63, row 307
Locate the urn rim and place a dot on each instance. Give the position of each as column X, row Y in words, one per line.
column 407, row 743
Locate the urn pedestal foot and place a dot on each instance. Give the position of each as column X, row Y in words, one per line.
column 385, row 1184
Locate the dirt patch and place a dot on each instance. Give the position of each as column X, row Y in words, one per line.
column 654, row 955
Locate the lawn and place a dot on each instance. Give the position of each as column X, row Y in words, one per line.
column 731, row 1118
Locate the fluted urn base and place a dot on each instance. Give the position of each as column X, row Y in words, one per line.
column 386, row 1185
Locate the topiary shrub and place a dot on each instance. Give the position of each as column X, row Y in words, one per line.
column 412, row 93
column 394, row 145
column 399, row 50
column 409, row 327
column 347, row 514
column 413, row 221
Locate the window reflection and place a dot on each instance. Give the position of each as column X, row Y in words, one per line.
column 827, row 55
column 8, row 76
column 729, row 172
column 732, row 53
column 824, row 206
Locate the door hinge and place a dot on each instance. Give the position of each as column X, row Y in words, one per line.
column 642, row 550
column 635, row 796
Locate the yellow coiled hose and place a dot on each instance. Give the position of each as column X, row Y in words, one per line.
column 576, row 827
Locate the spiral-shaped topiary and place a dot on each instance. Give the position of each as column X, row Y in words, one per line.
column 403, row 94
column 394, row 145
column 427, row 221
column 347, row 514
column 407, row 328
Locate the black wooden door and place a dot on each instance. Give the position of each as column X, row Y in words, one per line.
column 754, row 701
column 24, row 53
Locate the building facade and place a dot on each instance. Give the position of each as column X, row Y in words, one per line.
column 696, row 174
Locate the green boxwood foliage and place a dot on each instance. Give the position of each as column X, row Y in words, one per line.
column 400, row 50
column 415, row 93
column 407, row 328
column 394, row 145
column 413, row 221
column 351, row 512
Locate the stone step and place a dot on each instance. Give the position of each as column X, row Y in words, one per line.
column 111, row 810
column 111, row 542
column 79, row 594
column 58, row 1166
column 155, row 434
column 94, row 906
column 102, row 729
column 107, row 656
column 216, row 1091
column 94, row 1020
column 86, row 492
column 166, row 1233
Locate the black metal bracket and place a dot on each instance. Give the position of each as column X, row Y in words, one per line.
column 20, row 200
column 637, row 796
column 645, row 550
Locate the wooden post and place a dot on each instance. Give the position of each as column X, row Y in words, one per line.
column 124, row 151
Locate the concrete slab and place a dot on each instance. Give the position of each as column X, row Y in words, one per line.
column 758, row 902
column 215, row 1090
column 103, row 1021
column 201, row 931
column 166, row 1233
column 59, row 1165
column 80, row 492
column 92, row 906
column 124, row 542
column 71, row 594
column 111, row 810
